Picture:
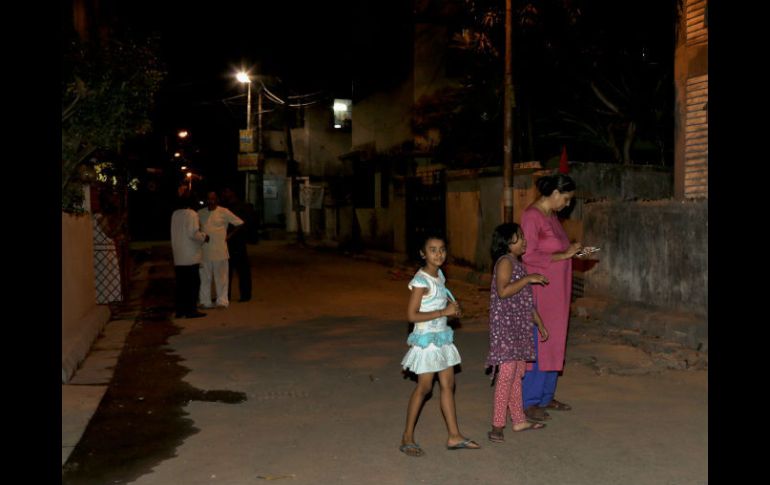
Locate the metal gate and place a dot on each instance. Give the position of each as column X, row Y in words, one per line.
column 107, row 268
column 425, row 209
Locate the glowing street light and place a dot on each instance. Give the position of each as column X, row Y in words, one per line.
column 183, row 134
column 242, row 77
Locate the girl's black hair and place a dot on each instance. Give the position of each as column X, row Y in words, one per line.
column 428, row 236
column 501, row 237
column 418, row 255
column 547, row 184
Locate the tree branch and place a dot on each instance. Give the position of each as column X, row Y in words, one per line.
column 603, row 99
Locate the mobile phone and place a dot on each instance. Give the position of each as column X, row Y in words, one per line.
column 587, row 250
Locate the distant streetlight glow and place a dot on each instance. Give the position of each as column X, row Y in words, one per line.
column 183, row 134
column 244, row 78
column 177, row 154
column 184, row 167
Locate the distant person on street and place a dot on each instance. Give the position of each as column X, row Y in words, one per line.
column 187, row 241
column 236, row 244
column 511, row 315
column 214, row 222
column 549, row 253
column 432, row 351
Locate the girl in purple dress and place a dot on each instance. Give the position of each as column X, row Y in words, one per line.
column 511, row 341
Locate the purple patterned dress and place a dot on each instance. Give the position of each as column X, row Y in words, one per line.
column 510, row 321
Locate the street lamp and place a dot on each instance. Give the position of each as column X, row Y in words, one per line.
column 244, row 78
column 253, row 177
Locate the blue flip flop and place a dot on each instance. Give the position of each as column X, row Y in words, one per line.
column 411, row 446
column 463, row 445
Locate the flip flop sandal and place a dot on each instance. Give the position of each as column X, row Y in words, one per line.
column 464, row 445
column 536, row 413
column 558, row 406
column 411, row 449
column 534, row 426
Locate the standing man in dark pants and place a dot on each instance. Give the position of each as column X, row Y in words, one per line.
column 186, row 243
column 236, row 243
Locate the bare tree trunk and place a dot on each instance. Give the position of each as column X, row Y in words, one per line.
column 630, row 135
column 613, row 144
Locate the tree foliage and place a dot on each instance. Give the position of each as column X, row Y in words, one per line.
column 595, row 74
column 108, row 89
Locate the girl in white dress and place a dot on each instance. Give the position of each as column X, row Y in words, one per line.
column 432, row 351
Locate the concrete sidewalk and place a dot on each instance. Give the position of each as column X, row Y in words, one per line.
column 82, row 395
column 84, row 391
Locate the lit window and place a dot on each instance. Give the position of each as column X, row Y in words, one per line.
column 343, row 114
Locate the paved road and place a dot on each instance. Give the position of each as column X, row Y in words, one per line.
column 303, row 385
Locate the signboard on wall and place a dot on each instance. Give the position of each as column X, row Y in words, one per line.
column 270, row 189
column 248, row 161
column 247, row 141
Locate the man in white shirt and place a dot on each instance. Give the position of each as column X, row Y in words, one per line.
column 214, row 222
column 186, row 245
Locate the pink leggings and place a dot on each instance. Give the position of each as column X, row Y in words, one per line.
column 508, row 393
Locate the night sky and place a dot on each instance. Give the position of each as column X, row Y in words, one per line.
column 306, row 44
column 309, row 45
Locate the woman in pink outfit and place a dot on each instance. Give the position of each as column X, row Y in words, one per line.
column 549, row 252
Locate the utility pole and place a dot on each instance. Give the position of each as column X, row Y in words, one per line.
column 260, row 173
column 248, row 107
column 508, row 102
column 248, row 129
column 293, row 168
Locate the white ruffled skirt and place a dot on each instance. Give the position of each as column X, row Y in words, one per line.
column 431, row 358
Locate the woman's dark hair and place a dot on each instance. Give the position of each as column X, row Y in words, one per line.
column 548, row 183
column 501, row 237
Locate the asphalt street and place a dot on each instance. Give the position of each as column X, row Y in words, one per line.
column 302, row 384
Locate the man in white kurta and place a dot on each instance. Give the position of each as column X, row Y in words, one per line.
column 214, row 265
